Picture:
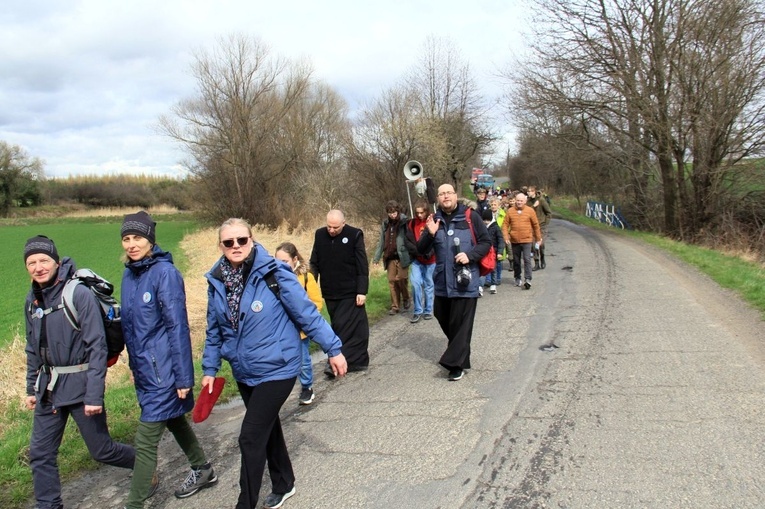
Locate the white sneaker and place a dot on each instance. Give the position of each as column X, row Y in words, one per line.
column 480, row 291
column 493, row 289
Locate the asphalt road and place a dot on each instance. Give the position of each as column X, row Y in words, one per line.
column 654, row 399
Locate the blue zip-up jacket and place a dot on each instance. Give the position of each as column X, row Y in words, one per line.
column 266, row 345
column 454, row 226
column 156, row 329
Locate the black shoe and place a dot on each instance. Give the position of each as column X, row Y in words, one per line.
column 306, row 396
column 455, row 374
column 328, row 371
column 542, row 265
column 276, row 500
column 352, row 368
column 415, row 319
column 536, row 266
column 407, row 303
column 526, row 285
column 427, row 317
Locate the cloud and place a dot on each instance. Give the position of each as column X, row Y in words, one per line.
column 83, row 82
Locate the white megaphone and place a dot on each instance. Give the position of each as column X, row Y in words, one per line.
column 413, row 170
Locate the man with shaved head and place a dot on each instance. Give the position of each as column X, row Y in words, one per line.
column 339, row 262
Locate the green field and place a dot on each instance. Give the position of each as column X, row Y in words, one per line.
column 91, row 243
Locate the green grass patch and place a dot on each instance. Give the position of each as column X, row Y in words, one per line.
column 91, row 242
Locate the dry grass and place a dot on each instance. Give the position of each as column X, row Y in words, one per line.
column 119, row 211
column 13, row 371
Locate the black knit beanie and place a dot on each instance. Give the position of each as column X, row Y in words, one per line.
column 40, row 245
column 140, row 224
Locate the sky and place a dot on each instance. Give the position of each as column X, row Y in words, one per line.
column 83, row 82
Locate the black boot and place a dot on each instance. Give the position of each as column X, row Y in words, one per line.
column 542, row 258
column 536, row 265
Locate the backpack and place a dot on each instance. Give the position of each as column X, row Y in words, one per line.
column 110, row 309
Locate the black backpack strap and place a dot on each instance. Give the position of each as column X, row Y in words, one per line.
column 273, row 285
column 268, row 275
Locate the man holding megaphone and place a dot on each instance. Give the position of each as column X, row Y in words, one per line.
column 456, row 277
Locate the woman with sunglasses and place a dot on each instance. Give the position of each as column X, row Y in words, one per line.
column 156, row 329
column 256, row 309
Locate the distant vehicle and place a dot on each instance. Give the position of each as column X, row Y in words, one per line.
column 475, row 174
column 484, row 180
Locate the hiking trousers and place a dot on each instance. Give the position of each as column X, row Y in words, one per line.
column 147, row 439
column 47, row 433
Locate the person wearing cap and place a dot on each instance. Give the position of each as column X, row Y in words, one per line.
column 156, row 328
column 66, row 372
column 481, row 200
column 256, row 309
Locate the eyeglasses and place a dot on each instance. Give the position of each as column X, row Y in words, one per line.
column 446, row 193
column 229, row 243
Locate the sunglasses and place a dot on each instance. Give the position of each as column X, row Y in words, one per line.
column 229, row 243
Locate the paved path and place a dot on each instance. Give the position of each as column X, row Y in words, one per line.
column 652, row 400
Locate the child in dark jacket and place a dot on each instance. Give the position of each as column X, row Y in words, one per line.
column 498, row 241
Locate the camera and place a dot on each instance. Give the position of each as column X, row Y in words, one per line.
column 464, row 276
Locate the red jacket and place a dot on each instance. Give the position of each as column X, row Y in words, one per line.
column 414, row 229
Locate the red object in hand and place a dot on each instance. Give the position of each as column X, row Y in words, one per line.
column 206, row 400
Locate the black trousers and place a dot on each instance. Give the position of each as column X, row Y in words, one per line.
column 261, row 440
column 351, row 325
column 455, row 316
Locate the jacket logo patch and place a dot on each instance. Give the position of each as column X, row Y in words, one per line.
column 256, row 306
column 147, row 297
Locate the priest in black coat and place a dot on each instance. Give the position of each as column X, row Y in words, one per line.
column 339, row 262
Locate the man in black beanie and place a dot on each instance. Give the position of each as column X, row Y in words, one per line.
column 40, row 245
column 140, row 224
column 66, row 371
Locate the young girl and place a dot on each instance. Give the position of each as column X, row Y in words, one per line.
column 288, row 253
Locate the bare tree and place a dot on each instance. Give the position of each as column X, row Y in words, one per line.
column 457, row 114
column 666, row 79
column 234, row 130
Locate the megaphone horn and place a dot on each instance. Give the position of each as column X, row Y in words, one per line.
column 413, row 170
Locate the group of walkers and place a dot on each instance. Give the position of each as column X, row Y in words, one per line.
column 440, row 253
column 258, row 310
column 262, row 311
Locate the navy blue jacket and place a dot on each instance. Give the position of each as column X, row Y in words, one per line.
column 444, row 276
column 266, row 345
column 156, row 328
